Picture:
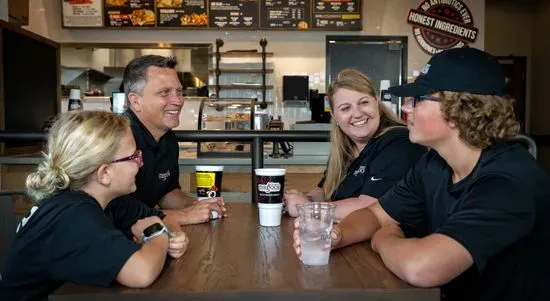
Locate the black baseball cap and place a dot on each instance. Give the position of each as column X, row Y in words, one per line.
column 459, row 70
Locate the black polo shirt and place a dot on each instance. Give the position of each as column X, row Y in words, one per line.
column 66, row 237
column 383, row 162
column 160, row 171
column 500, row 213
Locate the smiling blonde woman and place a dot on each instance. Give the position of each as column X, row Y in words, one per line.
column 370, row 149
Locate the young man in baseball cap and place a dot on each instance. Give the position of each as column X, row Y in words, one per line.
column 481, row 200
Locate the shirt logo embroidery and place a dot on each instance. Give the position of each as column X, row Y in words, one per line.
column 375, row 179
column 164, row 176
column 26, row 219
column 359, row 171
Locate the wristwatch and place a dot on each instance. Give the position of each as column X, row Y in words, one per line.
column 154, row 230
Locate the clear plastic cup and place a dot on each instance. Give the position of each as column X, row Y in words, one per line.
column 316, row 221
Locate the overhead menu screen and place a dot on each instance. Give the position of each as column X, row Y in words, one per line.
column 129, row 13
column 305, row 15
column 337, row 14
column 286, row 14
column 182, row 13
column 240, row 14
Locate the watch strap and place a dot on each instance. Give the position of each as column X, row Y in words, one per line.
column 160, row 232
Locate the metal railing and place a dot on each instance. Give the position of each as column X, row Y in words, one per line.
column 256, row 138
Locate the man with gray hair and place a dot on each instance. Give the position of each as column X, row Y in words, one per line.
column 155, row 98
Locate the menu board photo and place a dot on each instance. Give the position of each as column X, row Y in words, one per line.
column 286, row 14
column 337, row 15
column 232, row 14
column 327, row 15
column 82, row 13
column 129, row 13
column 182, row 13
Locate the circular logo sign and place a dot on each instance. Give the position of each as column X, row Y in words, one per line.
column 442, row 24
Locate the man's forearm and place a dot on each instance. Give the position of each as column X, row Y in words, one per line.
column 176, row 199
column 396, row 252
column 178, row 216
column 358, row 226
column 171, row 223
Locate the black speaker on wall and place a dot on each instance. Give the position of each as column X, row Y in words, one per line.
column 295, row 88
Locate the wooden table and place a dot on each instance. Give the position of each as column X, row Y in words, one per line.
column 237, row 259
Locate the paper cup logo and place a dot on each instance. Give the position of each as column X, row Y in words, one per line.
column 269, row 187
column 442, row 24
column 209, row 183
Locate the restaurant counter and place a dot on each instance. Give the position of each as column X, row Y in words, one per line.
column 303, row 172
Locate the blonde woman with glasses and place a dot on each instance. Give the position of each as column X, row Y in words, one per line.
column 369, row 148
column 91, row 158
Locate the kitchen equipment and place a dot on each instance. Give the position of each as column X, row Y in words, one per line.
column 231, row 114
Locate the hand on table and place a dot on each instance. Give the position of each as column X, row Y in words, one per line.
column 201, row 212
column 293, row 197
column 178, row 244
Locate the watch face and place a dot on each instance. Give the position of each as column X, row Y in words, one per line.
column 152, row 229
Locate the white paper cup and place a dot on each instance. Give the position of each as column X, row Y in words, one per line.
column 209, row 183
column 270, row 214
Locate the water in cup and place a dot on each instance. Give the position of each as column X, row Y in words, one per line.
column 315, row 247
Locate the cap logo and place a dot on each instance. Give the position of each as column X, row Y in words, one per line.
column 442, row 24
column 425, row 69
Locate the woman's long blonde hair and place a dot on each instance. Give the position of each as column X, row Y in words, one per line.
column 342, row 149
column 78, row 143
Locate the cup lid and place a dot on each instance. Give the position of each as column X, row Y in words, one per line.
column 74, row 94
column 209, row 167
column 270, row 171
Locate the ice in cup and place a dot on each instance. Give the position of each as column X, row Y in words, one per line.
column 209, row 183
column 316, row 221
column 270, row 184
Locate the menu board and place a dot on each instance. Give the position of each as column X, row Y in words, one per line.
column 337, row 14
column 241, row 14
column 214, row 14
column 286, row 14
column 82, row 13
column 182, row 13
column 129, row 13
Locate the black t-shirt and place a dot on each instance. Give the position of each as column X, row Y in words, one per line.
column 384, row 161
column 500, row 213
column 160, row 171
column 66, row 237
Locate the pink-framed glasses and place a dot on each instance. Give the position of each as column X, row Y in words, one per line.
column 136, row 156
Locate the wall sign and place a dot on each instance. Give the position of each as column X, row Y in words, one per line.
column 82, row 13
column 442, row 24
